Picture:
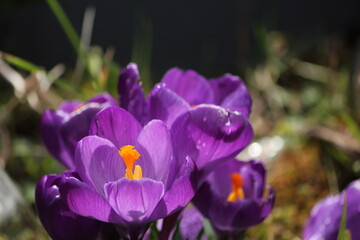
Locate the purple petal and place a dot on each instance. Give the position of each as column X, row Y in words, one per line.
column 254, row 175
column 353, row 214
column 117, row 125
column 267, row 204
column 325, row 217
column 231, row 93
column 56, row 217
column 190, row 223
column 86, row 202
column 98, row 162
column 156, row 151
column 189, row 85
column 181, row 191
column 45, row 194
column 134, row 200
column 68, row 106
column 166, row 105
column 103, row 98
column 50, row 133
column 209, row 134
column 132, row 97
column 75, row 127
column 324, row 220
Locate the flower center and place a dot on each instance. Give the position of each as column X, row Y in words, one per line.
column 130, row 156
column 237, row 190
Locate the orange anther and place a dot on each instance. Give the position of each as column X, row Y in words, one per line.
column 237, row 190
column 130, row 156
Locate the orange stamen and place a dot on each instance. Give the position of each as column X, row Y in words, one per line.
column 237, row 190
column 130, row 156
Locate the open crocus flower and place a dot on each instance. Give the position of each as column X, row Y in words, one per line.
column 325, row 217
column 63, row 128
column 232, row 197
column 130, row 174
column 178, row 92
column 54, row 214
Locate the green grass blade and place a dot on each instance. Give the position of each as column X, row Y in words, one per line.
column 65, row 24
column 20, row 63
column 343, row 235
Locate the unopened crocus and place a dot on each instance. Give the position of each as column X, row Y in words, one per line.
column 130, row 174
column 178, row 92
column 325, row 217
column 58, row 220
column 61, row 129
column 232, row 197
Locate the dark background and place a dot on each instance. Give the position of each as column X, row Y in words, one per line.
column 210, row 36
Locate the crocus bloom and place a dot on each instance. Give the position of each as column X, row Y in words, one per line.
column 178, row 92
column 130, row 174
column 325, row 217
column 56, row 217
column 232, row 197
column 63, row 128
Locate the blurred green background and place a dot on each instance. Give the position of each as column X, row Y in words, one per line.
column 300, row 61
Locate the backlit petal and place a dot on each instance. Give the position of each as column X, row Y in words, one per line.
column 181, row 191
column 156, row 150
column 86, row 202
column 165, row 104
column 116, row 125
column 189, row 85
column 231, row 93
column 134, row 200
column 98, row 162
column 209, row 134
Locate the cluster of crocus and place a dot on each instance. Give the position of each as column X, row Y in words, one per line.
column 147, row 159
column 325, row 217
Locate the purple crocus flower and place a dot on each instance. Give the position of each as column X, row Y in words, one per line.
column 54, row 214
column 178, row 92
column 61, row 129
column 130, row 174
column 325, row 217
column 232, row 197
